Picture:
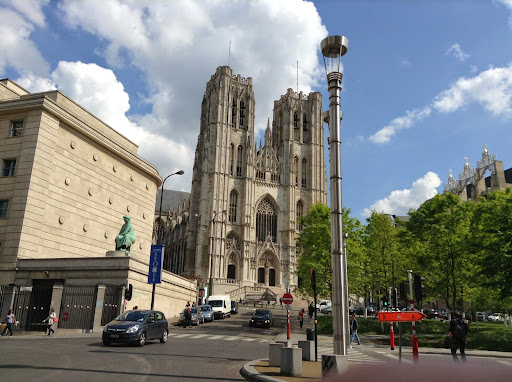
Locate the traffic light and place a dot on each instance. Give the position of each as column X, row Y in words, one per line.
column 385, row 302
column 403, row 291
column 419, row 287
column 128, row 292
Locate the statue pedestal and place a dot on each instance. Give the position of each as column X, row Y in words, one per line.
column 121, row 254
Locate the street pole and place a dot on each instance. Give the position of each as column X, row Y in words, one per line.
column 212, row 252
column 391, row 331
column 333, row 47
column 414, row 338
column 158, row 234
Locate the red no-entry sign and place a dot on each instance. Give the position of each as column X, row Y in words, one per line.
column 287, row 298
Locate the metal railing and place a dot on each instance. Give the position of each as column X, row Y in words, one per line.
column 77, row 308
column 111, row 303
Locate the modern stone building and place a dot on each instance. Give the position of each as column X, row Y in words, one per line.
column 239, row 227
column 488, row 176
column 67, row 179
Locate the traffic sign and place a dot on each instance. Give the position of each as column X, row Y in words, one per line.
column 156, row 259
column 287, row 298
column 401, row 316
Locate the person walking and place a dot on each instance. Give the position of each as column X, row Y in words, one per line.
column 301, row 318
column 311, row 310
column 354, row 327
column 51, row 319
column 281, row 302
column 9, row 322
column 458, row 334
column 188, row 317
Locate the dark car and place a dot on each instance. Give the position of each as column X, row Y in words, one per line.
column 234, row 307
column 262, row 318
column 431, row 313
column 136, row 327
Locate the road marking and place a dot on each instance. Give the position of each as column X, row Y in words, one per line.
column 182, row 335
column 504, row 362
column 199, row 336
column 397, row 358
column 231, row 338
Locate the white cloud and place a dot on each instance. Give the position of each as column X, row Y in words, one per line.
column 456, row 51
column 399, row 202
column 507, row 3
column 492, row 89
column 405, row 63
column 30, row 9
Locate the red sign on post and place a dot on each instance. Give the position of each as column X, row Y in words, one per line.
column 409, row 316
column 287, row 298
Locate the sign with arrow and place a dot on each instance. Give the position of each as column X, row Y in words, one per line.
column 155, row 264
column 408, row 316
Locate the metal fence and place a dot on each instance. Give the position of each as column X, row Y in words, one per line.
column 31, row 306
column 111, row 304
column 77, row 308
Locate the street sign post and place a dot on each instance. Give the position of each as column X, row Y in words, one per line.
column 156, row 259
column 287, row 298
column 401, row 316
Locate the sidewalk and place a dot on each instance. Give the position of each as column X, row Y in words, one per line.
column 258, row 370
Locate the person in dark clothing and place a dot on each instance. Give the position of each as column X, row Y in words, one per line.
column 301, row 318
column 311, row 310
column 188, row 317
column 354, row 327
column 458, row 334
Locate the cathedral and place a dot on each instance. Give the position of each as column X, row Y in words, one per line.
column 237, row 228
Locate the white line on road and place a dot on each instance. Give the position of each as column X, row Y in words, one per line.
column 182, row 335
column 232, row 338
column 199, row 336
column 397, row 358
column 507, row 363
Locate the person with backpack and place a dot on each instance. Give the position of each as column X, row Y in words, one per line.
column 188, row 317
column 354, row 326
column 458, row 334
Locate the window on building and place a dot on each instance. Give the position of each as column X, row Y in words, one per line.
column 4, row 204
column 296, row 167
column 16, row 128
column 233, row 202
column 8, row 167
column 303, row 172
column 233, row 113
column 304, row 123
column 231, row 159
column 239, row 161
column 266, row 221
column 295, row 120
column 242, row 114
column 299, row 213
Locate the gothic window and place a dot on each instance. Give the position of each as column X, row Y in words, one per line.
column 239, row 161
column 261, row 275
column 233, row 113
column 303, row 174
column 266, row 221
column 295, row 120
column 231, row 271
column 296, row 168
column 299, row 212
column 304, row 123
column 233, row 201
column 271, row 277
column 242, row 114
column 231, row 159
column 232, row 242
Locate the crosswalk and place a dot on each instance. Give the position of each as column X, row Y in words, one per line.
column 217, row 337
column 354, row 355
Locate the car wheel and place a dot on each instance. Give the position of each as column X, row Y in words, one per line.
column 142, row 339
column 164, row 337
column 106, row 342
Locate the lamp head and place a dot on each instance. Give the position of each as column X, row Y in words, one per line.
column 181, row 172
column 333, row 47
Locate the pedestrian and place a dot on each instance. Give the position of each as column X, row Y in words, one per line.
column 281, row 302
column 188, row 317
column 52, row 317
column 354, row 327
column 311, row 310
column 457, row 335
column 301, row 318
column 9, row 321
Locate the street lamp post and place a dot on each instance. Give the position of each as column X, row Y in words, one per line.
column 158, row 234
column 212, row 252
column 333, row 47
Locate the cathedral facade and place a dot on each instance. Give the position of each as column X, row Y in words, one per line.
column 239, row 226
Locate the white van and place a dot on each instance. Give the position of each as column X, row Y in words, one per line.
column 221, row 305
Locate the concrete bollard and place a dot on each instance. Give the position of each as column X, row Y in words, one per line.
column 274, row 354
column 291, row 362
column 308, row 350
column 286, row 343
column 333, row 365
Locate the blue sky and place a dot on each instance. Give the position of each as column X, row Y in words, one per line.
column 426, row 83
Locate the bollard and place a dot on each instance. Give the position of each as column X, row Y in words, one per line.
column 291, row 362
column 308, row 350
column 333, row 365
column 286, row 343
column 274, row 354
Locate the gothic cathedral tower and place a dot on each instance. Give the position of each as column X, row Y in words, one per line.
column 245, row 200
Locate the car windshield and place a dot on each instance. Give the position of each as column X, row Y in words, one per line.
column 132, row 316
column 261, row 313
column 216, row 303
column 192, row 310
column 206, row 308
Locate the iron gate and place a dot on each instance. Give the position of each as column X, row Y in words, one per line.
column 31, row 306
column 77, row 308
column 111, row 304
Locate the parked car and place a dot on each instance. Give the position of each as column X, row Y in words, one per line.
column 326, row 309
column 262, row 318
column 431, row 314
column 323, row 303
column 197, row 317
column 234, row 307
column 208, row 313
column 482, row 316
column 136, row 327
column 496, row 317
column 443, row 314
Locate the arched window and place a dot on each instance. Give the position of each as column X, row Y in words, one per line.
column 231, row 159
column 303, row 173
column 304, row 123
column 239, row 161
column 266, row 221
column 296, row 168
column 233, row 113
column 242, row 114
column 233, row 201
column 295, row 120
column 299, row 212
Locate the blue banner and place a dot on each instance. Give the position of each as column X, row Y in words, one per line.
column 155, row 264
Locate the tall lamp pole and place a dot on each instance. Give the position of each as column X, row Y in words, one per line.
column 210, row 283
column 158, row 234
column 333, row 47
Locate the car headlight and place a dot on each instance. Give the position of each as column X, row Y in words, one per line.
column 133, row 329
column 252, row 320
column 105, row 329
column 267, row 321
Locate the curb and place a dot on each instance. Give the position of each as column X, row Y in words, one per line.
column 249, row 372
